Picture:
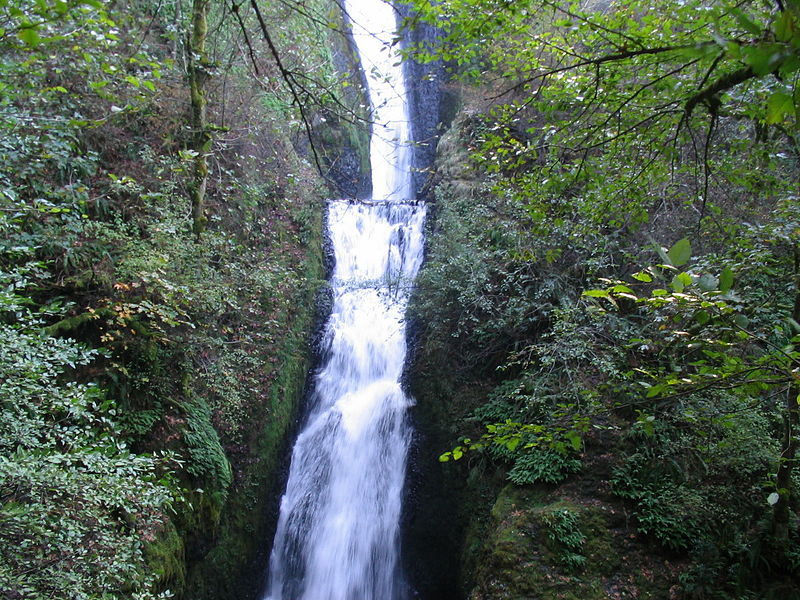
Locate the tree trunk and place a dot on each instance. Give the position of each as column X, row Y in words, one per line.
column 791, row 438
column 201, row 135
column 175, row 45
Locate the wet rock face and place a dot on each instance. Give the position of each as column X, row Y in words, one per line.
column 347, row 174
column 428, row 104
column 345, row 144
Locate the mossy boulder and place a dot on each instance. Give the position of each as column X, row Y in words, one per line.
column 164, row 553
column 541, row 546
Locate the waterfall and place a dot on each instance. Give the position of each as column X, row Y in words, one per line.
column 338, row 529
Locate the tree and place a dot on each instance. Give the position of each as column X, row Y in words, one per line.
column 625, row 80
column 720, row 348
column 199, row 72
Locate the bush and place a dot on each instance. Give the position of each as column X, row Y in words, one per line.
column 76, row 505
column 539, row 464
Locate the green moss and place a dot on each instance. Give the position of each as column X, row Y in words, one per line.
column 603, row 558
column 529, row 545
column 206, row 458
column 165, row 557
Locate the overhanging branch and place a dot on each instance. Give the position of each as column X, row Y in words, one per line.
column 288, row 78
column 708, row 96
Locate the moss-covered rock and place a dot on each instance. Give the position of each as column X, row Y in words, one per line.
column 545, row 547
column 165, row 556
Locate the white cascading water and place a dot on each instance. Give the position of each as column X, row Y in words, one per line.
column 338, row 530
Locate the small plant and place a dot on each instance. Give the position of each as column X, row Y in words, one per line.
column 562, row 529
column 665, row 508
column 543, row 465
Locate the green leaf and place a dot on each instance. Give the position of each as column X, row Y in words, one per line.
column 596, row 293
column 680, row 281
column 680, row 253
column 741, row 321
column 779, row 106
column 793, row 324
column 30, row 36
column 646, row 423
column 764, row 58
column 662, row 253
column 575, row 439
column 642, row 276
column 784, row 26
column 747, row 23
column 702, row 317
column 725, row 280
column 707, row 282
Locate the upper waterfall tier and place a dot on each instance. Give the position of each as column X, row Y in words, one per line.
column 374, row 24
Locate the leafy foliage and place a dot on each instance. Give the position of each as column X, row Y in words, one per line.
column 591, row 130
column 99, row 445
column 548, row 466
column 76, row 504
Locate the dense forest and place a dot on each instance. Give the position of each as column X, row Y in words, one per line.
column 606, row 329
